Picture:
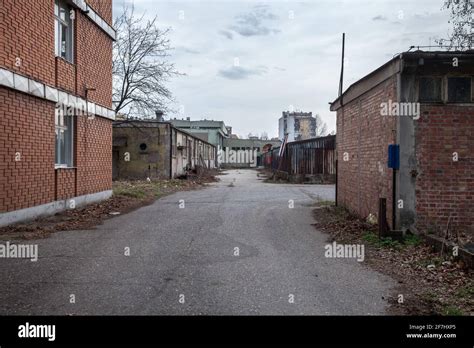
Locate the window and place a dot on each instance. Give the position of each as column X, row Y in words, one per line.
column 459, row 89
column 430, row 89
column 63, row 30
column 64, row 139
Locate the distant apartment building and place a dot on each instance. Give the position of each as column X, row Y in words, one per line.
column 55, row 105
column 297, row 125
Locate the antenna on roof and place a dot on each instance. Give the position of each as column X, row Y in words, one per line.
column 341, row 79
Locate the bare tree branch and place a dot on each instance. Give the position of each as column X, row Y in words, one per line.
column 462, row 17
column 140, row 66
column 321, row 126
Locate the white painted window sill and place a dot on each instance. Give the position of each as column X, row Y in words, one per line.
column 63, row 166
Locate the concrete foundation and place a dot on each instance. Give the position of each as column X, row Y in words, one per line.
column 51, row 208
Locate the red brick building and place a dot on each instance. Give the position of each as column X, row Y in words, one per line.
column 55, row 105
column 423, row 102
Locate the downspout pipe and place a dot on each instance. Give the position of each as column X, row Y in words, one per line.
column 171, row 150
column 397, row 141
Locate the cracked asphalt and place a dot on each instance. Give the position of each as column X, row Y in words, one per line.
column 184, row 261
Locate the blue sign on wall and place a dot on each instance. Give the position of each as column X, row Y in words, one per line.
column 394, row 156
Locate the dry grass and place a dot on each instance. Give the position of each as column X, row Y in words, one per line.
column 443, row 288
column 127, row 196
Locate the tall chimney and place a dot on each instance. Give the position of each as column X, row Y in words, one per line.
column 159, row 115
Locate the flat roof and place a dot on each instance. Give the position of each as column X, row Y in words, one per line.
column 392, row 67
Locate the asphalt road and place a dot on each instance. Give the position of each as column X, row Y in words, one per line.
column 183, row 260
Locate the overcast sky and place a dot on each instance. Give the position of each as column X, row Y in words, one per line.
column 247, row 61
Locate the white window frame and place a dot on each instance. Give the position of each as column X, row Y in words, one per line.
column 69, row 24
column 60, row 126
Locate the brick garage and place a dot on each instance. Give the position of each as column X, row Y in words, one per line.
column 38, row 74
column 431, row 186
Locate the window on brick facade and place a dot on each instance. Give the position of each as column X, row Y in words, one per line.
column 64, row 125
column 459, row 89
column 63, row 30
column 430, row 89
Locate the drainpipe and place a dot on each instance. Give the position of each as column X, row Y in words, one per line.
column 394, row 199
column 171, row 151
column 395, row 172
column 336, row 181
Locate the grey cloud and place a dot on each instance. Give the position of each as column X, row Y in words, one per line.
column 379, row 18
column 190, row 50
column 422, row 15
column 239, row 73
column 252, row 23
column 227, row 34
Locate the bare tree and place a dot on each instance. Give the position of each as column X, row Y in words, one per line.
column 321, row 126
column 140, row 66
column 462, row 14
column 251, row 135
column 264, row 136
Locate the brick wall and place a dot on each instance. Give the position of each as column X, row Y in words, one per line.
column 94, row 62
column 93, row 154
column 27, row 122
column 445, row 187
column 65, row 183
column 364, row 135
column 65, row 75
column 26, row 127
column 103, row 8
column 27, row 32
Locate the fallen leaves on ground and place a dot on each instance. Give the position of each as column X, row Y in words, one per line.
column 128, row 196
column 430, row 284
